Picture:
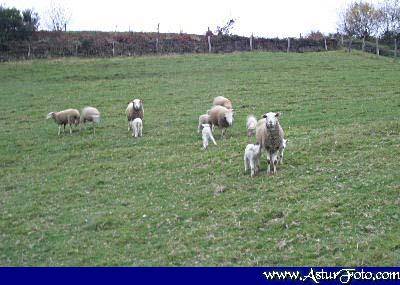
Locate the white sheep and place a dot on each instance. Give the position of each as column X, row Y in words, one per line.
column 251, row 124
column 137, row 127
column 90, row 114
column 269, row 135
column 207, row 135
column 282, row 149
column 134, row 110
column 222, row 101
column 251, row 158
column 62, row 118
column 221, row 117
column 203, row 119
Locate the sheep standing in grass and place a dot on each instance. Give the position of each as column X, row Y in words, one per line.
column 90, row 114
column 269, row 135
column 62, row 118
column 221, row 117
column 207, row 135
column 251, row 158
column 134, row 110
column 203, row 119
column 281, row 150
column 137, row 127
column 251, row 124
column 222, row 101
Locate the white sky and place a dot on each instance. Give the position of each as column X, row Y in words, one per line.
column 263, row 18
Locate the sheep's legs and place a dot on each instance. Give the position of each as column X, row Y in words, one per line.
column 245, row 164
column 252, row 168
column 70, row 129
column 59, row 129
column 213, row 140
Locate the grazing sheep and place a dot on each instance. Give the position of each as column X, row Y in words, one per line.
column 221, row 117
column 251, row 158
column 69, row 116
column 203, row 119
column 90, row 114
column 207, row 135
column 281, row 150
column 134, row 110
column 137, row 127
column 269, row 135
column 222, row 101
column 251, row 124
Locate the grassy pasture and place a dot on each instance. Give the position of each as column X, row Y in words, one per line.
column 110, row 199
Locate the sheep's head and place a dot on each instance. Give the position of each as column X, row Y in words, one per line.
column 137, row 104
column 228, row 104
column 50, row 115
column 272, row 119
column 257, row 148
column 229, row 117
column 205, row 126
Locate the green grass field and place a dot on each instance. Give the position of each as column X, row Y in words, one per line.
column 110, row 199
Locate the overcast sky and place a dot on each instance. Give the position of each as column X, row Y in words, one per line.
column 262, row 17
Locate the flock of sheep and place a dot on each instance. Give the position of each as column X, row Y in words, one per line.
column 268, row 131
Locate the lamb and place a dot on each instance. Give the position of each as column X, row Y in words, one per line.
column 69, row 116
column 90, row 114
column 221, row 117
column 134, row 110
column 137, row 127
column 281, row 150
column 207, row 135
column 251, row 158
column 222, row 101
column 251, row 124
column 203, row 119
column 269, row 135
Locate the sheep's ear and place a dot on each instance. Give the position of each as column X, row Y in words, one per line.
column 264, row 116
column 278, row 114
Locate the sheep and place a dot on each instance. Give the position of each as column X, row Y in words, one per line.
column 137, row 127
column 251, row 158
column 269, row 134
column 282, row 149
column 251, row 124
column 69, row 116
column 90, row 114
column 203, row 119
column 134, row 110
column 207, row 135
column 221, row 117
column 222, row 101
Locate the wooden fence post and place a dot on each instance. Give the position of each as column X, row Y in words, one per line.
column 113, row 48
column 395, row 48
column 288, row 45
column 350, row 43
column 158, row 36
column 29, row 50
column 377, row 46
column 326, row 46
column 209, row 44
column 363, row 44
column 251, row 42
column 76, row 49
column 342, row 40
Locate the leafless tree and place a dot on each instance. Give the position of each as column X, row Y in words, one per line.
column 58, row 17
column 391, row 16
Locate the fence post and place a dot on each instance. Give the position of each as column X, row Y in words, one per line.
column 29, row 50
column 342, row 42
column 158, row 35
column 350, row 42
column 251, row 42
column 395, row 48
column 209, row 44
column 326, row 46
column 113, row 48
column 363, row 44
column 288, row 45
column 377, row 46
column 76, row 49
